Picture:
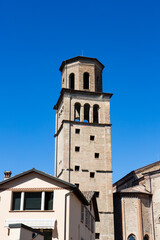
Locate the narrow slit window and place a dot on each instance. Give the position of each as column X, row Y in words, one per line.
column 92, row 138
column 71, row 81
column 76, row 168
column 77, row 149
column 97, row 194
column 77, row 131
column 86, row 80
column 96, row 155
column 97, row 235
column 82, row 213
column 92, row 174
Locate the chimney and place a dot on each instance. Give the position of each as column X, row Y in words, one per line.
column 7, row 174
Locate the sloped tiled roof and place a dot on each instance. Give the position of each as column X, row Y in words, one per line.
column 73, row 187
column 88, row 195
column 135, row 189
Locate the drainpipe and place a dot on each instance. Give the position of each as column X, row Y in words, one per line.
column 152, row 209
column 65, row 213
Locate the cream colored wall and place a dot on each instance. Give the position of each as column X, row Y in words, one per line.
column 14, row 234
column 22, row 234
column 30, row 183
column 78, row 230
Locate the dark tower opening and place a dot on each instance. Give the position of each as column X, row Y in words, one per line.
column 86, row 112
column 86, row 80
column 77, row 109
column 95, row 114
column 71, row 81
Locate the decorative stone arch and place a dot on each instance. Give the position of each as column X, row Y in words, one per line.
column 95, row 113
column 86, row 112
column 146, row 237
column 131, row 237
column 72, row 81
column 86, row 80
column 77, row 111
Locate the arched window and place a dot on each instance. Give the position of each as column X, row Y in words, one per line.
column 146, row 237
column 131, row 237
column 86, row 112
column 71, row 81
column 96, row 113
column 86, row 80
column 77, row 109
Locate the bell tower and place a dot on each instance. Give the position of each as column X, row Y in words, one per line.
column 83, row 136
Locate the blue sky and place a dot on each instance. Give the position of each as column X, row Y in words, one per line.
column 36, row 36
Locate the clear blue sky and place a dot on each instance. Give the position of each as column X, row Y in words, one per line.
column 36, row 36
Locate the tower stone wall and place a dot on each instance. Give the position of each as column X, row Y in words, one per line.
column 83, row 136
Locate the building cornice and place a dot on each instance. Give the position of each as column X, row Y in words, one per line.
column 81, row 123
column 80, row 93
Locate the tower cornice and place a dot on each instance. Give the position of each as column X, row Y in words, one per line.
column 82, row 93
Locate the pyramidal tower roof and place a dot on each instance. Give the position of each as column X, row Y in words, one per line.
column 80, row 58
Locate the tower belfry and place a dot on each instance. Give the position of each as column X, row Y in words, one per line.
column 83, row 136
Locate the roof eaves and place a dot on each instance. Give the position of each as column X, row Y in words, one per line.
column 78, row 58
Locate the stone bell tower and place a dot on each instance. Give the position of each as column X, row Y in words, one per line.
column 83, row 136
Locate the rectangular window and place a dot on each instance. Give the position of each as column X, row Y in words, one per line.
column 97, row 194
column 77, row 149
column 32, row 201
column 92, row 174
column 77, row 131
column 77, row 185
column 96, row 155
column 48, row 201
column 16, row 201
column 76, row 168
column 92, row 138
column 92, row 224
column 97, row 235
column 86, row 217
column 89, row 220
column 82, row 213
